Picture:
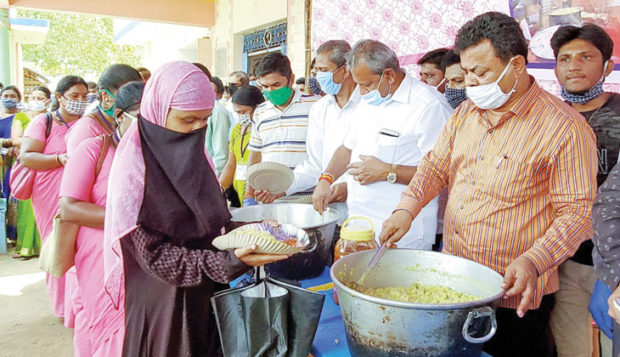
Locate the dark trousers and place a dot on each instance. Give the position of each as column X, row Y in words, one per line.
column 529, row 336
column 232, row 196
column 616, row 340
column 438, row 240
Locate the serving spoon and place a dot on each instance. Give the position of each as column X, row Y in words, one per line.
column 372, row 263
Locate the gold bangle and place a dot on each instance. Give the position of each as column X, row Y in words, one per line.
column 58, row 160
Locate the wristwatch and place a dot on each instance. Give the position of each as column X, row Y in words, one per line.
column 391, row 177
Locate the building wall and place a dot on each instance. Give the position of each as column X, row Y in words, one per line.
column 254, row 14
column 222, row 39
column 17, row 72
column 205, row 55
column 5, row 48
column 185, row 12
column 235, row 18
column 296, row 47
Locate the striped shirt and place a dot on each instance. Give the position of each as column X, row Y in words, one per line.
column 280, row 136
column 524, row 186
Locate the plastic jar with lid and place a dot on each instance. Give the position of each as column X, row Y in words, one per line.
column 355, row 237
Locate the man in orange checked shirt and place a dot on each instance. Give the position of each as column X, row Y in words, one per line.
column 521, row 168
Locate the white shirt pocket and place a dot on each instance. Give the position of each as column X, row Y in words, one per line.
column 387, row 148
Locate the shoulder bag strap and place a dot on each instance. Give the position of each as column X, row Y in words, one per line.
column 48, row 124
column 102, row 154
column 101, row 121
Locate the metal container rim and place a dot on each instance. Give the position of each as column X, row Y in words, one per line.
column 410, row 305
column 323, row 224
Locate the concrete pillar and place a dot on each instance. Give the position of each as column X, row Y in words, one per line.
column 296, row 36
column 205, row 52
column 5, row 48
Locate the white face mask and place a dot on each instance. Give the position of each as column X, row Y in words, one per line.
column 440, row 83
column 38, row 105
column 490, row 96
column 245, row 119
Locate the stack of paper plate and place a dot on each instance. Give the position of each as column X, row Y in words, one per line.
column 295, row 199
column 269, row 239
column 270, row 176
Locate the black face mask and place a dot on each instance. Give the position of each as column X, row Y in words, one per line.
column 232, row 88
column 182, row 197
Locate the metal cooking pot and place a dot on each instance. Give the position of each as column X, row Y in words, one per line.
column 565, row 16
column 380, row 328
column 311, row 261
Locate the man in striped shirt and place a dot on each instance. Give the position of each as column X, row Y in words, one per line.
column 280, row 123
column 521, row 168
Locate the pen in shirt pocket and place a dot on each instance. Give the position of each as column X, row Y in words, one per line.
column 499, row 161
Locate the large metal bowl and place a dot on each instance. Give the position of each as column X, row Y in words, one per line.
column 565, row 16
column 381, row 328
column 320, row 228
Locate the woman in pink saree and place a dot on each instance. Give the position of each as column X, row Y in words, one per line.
column 83, row 194
column 44, row 151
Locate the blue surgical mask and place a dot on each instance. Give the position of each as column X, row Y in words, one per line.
column 455, row 96
column 91, row 97
column 375, row 98
column 326, row 81
column 254, row 83
column 9, row 103
column 585, row 97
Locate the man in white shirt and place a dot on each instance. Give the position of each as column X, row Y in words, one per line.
column 328, row 121
column 281, row 123
column 395, row 125
column 430, row 69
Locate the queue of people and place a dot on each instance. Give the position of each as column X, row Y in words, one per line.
column 475, row 158
column 73, row 157
column 20, row 225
